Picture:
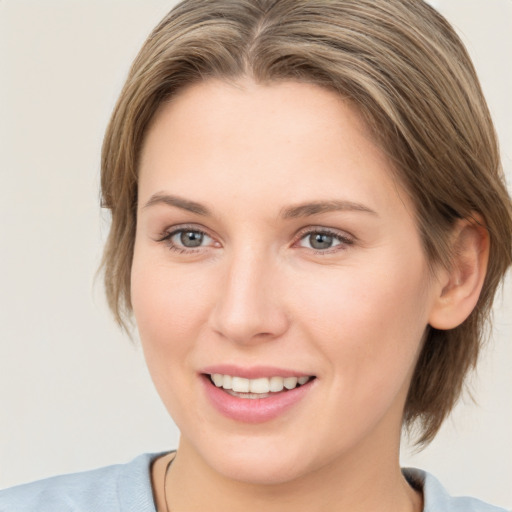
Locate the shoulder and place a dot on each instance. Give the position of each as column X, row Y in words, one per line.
column 437, row 499
column 122, row 487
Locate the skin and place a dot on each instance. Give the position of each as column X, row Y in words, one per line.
column 257, row 293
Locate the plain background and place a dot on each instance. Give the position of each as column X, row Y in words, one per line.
column 74, row 392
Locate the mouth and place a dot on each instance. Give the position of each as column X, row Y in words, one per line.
column 263, row 387
column 256, row 394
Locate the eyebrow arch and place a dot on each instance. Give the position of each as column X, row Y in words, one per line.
column 178, row 202
column 314, row 208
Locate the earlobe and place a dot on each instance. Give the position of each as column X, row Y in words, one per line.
column 459, row 287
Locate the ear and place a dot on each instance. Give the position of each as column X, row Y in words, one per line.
column 459, row 286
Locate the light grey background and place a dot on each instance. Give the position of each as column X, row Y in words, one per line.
column 74, row 393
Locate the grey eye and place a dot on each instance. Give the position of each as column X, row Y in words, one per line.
column 189, row 239
column 320, row 241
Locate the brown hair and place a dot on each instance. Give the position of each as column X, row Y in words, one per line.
column 410, row 76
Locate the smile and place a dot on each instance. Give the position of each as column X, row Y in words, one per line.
column 248, row 406
column 256, row 388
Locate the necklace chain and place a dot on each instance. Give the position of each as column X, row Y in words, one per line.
column 167, row 509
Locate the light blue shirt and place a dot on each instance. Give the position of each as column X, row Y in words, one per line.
column 127, row 488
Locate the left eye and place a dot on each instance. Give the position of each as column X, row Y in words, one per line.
column 189, row 239
column 321, row 241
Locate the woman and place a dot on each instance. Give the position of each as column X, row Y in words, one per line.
column 309, row 224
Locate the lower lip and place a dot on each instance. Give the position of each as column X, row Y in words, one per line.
column 253, row 410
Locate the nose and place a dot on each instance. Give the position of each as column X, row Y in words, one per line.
column 250, row 306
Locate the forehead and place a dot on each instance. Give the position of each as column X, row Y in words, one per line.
column 250, row 140
column 295, row 109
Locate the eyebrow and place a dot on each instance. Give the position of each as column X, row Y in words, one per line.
column 291, row 212
column 178, row 202
column 317, row 207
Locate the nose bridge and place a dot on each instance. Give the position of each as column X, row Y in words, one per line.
column 249, row 308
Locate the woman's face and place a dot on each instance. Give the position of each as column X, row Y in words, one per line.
column 272, row 241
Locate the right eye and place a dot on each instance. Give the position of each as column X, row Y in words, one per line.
column 185, row 240
column 189, row 238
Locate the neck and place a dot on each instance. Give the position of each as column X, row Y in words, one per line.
column 359, row 482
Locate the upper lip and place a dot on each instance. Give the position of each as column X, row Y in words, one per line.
column 253, row 372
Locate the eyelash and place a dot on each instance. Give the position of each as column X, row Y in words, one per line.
column 167, row 237
column 343, row 239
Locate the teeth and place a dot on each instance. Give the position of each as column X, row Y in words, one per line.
column 261, row 386
column 290, row 382
column 276, row 384
column 226, row 381
column 218, row 379
column 240, row 385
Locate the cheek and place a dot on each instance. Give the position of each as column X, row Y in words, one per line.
column 164, row 299
column 169, row 318
column 368, row 324
column 168, row 312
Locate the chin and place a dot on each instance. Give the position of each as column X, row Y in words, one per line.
column 254, row 460
column 259, row 469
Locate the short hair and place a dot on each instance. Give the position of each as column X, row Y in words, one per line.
column 406, row 71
